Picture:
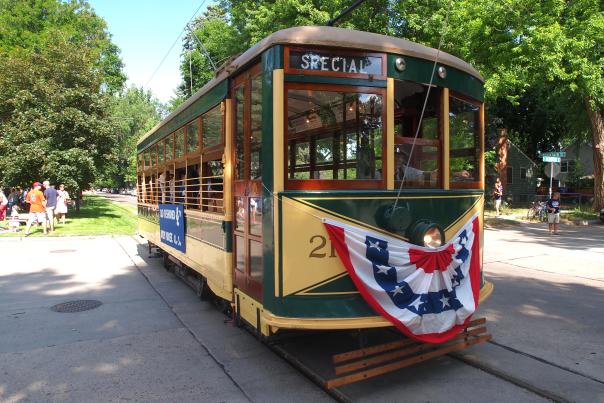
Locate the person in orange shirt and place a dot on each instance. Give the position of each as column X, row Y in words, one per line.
column 37, row 207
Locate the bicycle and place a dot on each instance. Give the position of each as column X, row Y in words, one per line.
column 537, row 210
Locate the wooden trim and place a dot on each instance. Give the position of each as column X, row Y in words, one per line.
column 338, row 51
column 481, row 135
column 389, row 150
column 465, row 185
column 228, row 165
column 319, row 184
column 446, row 163
column 333, row 184
column 279, row 163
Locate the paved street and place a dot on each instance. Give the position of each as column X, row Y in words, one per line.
column 153, row 340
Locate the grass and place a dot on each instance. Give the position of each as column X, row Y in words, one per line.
column 97, row 216
column 577, row 214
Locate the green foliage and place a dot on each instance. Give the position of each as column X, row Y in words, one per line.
column 133, row 113
column 52, row 116
column 58, row 71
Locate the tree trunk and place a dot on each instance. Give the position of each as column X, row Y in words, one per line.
column 597, row 133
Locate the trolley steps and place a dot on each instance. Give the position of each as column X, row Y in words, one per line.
column 369, row 362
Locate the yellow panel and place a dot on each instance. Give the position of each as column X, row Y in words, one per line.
column 210, row 262
column 390, row 134
column 249, row 309
column 481, row 137
column 446, row 146
column 278, row 159
column 307, row 248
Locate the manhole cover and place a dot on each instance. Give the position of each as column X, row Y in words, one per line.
column 62, row 251
column 76, row 306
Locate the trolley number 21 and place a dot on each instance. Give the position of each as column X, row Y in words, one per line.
column 320, row 249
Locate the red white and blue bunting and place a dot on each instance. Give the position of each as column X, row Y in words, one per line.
column 428, row 294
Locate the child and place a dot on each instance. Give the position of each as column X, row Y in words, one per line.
column 14, row 223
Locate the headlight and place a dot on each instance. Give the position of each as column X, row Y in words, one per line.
column 433, row 238
column 426, row 233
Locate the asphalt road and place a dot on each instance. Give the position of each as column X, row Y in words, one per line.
column 153, row 340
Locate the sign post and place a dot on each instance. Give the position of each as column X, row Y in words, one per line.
column 552, row 158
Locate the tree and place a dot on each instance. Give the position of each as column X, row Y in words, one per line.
column 33, row 25
column 53, row 116
column 133, row 113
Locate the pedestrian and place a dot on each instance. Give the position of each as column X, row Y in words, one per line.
column 553, row 213
column 13, row 199
column 50, row 193
column 37, row 207
column 14, row 223
column 62, row 202
column 498, row 194
column 22, row 194
column 3, row 205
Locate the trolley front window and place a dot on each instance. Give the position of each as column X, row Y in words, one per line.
column 334, row 138
column 464, row 118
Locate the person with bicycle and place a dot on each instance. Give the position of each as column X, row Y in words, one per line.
column 498, row 194
column 553, row 213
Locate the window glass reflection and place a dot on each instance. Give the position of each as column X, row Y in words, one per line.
column 239, row 213
column 256, row 128
column 464, row 119
column 255, row 209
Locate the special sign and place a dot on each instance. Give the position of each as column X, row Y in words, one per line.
column 172, row 226
column 329, row 62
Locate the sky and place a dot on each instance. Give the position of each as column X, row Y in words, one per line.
column 145, row 30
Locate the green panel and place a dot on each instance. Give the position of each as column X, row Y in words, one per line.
column 420, row 70
column 371, row 209
column 342, row 306
column 200, row 106
column 271, row 60
column 301, row 78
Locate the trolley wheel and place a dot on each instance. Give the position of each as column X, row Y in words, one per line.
column 203, row 290
column 167, row 262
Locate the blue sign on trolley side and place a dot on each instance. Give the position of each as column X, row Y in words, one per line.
column 172, row 225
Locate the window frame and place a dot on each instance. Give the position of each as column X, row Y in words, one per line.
column 525, row 174
column 335, row 184
column 509, row 179
column 475, row 184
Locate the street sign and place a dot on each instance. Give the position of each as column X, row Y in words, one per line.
column 547, row 158
column 172, row 226
column 559, row 154
column 552, row 170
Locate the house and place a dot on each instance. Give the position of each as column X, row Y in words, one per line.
column 516, row 170
column 577, row 168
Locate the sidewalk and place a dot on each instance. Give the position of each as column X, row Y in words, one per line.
column 136, row 345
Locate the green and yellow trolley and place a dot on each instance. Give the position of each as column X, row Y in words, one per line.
column 313, row 123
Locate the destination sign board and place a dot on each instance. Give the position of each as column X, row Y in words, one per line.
column 559, row 154
column 172, row 226
column 326, row 61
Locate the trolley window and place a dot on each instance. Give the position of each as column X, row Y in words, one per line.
column 334, row 137
column 464, row 123
column 212, row 128
column 419, row 164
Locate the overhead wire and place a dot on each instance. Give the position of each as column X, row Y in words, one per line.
column 174, row 43
column 421, row 116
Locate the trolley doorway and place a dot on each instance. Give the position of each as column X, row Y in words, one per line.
column 247, row 184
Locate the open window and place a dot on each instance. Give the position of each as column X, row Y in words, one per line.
column 419, row 164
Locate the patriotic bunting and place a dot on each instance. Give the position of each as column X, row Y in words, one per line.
column 428, row 294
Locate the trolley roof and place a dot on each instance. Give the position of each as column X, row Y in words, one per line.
column 324, row 37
